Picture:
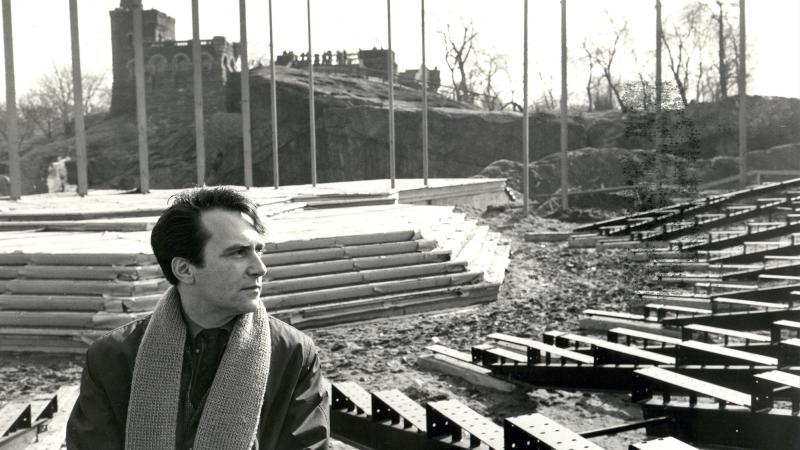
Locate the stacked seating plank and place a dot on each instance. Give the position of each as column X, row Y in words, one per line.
column 389, row 260
column 689, row 330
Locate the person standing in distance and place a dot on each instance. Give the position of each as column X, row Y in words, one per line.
column 209, row 369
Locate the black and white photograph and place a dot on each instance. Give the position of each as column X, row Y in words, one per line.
column 400, row 225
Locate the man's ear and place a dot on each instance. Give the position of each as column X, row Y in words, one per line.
column 183, row 270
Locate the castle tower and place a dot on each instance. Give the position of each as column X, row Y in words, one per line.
column 156, row 27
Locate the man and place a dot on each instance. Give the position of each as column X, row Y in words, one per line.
column 209, row 369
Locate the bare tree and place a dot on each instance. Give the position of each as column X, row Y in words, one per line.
column 603, row 56
column 458, row 52
column 548, row 100
column 723, row 64
column 53, row 97
column 589, row 83
column 39, row 113
column 491, row 64
column 701, row 70
column 25, row 128
column 645, row 86
column 687, row 39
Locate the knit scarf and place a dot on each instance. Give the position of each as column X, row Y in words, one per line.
column 233, row 407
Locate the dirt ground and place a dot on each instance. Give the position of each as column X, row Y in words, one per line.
column 546, row 287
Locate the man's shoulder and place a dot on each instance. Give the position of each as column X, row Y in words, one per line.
column 287, row 335
column 123, row 341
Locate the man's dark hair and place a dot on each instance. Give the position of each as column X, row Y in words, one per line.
column 179, row 231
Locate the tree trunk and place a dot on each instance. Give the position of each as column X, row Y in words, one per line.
column 723, row 68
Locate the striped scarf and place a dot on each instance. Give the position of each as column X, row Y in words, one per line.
column 233, row 408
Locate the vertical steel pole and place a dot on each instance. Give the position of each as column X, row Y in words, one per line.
column 659, row 124
column 199, row 123
column 525, row 121
column 742, row 97
column 311, row 114
column 390, row 78
column 141, row 105
column 659, row 44
column 247, row 145
column 77, row 87
column 273, row 104
column 564, row 156
column 424, row 103
column 14, row 172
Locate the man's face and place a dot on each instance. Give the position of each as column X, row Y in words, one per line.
column 229, row 283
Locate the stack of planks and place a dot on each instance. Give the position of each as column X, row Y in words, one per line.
column 59, row 302
column 444, row 261
column 59, row 290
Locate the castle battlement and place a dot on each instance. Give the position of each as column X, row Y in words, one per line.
column 169, row 87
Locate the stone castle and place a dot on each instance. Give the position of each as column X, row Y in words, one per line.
column 169, row 87
column 168, row 65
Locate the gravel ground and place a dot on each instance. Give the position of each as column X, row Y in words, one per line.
column 546, row 287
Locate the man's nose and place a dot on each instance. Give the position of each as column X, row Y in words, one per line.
column 257, row 267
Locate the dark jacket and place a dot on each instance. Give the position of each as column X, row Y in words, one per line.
column 294, row 414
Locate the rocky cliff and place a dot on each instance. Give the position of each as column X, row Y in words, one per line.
column 352, row 136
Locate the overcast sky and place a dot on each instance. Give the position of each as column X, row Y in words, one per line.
column 41, row 34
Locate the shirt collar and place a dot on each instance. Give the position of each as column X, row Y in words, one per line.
column 194, row 329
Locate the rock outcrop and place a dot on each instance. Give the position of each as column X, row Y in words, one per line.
column 352, row 136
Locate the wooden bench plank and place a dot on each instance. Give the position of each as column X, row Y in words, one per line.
column 394, row 406
column 614, row 333
column 746, row 336
column 487, row 355
column 452, row 353
column 633, row 352
column 365, row 263
column 751, row 304
column 614, row 314
column 481, row 429
column 780, row 377
column 522, row 430
column 350, row 396
column 780, row 325
column 541, row 347
column 734, row 355
column 665, row 443
column 694, row 385
column 661, row 310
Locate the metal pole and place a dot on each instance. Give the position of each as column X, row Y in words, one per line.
column 199, row 122
column 274, row 104
column 742, row 97
column 390, row 77
column 141, row 106
column 564, row 156
column 659, row 85
column 247, row 145
column 659, row 125
column 424, row 104
column 14, row 172
column 311, row 119
column 77, row 87
column 525, row 124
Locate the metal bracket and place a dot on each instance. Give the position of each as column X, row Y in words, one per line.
column 396, row 407
column 349, row 396
column 14, row 416
column 535, row 431
column 451, row 418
